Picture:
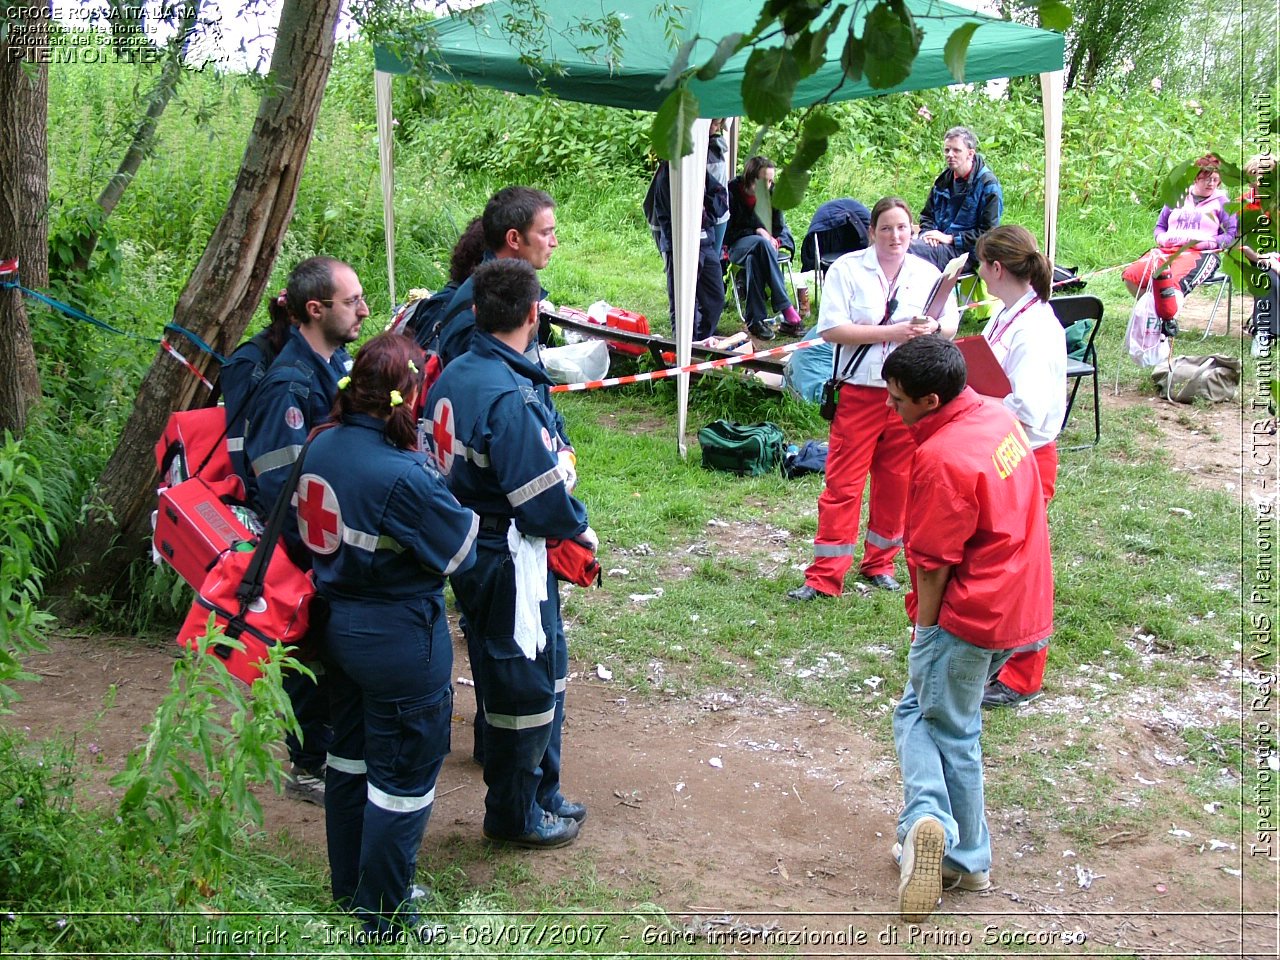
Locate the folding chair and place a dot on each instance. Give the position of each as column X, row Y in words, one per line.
column 1069, row 310
column 1223, row 282
column 735, row 270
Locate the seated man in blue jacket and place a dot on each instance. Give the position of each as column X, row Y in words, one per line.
column 965, row 203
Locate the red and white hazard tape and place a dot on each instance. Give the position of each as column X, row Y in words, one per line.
column 169, row 348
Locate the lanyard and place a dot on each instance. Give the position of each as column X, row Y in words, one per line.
column 997, row 331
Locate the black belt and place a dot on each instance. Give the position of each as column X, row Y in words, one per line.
column 494, row 523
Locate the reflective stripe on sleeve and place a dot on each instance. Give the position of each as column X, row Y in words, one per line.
column 380, row 798
column 833, row 549
column 508, row 721
column 466, row 546
column 235, row 444
column 370, row 541
column 562, row 684
column 534, row 487
column 356, row 768
column 275, row 459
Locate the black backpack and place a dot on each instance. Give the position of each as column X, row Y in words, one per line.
column 426, row 318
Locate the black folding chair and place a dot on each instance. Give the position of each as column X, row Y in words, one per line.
column 1069, row 310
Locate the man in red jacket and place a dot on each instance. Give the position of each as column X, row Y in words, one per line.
column 977, row 549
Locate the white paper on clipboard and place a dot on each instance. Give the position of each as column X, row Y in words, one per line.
column 944, row 285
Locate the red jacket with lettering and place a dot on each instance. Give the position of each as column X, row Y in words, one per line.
column 975, row 503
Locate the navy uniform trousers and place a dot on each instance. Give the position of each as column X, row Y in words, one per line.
column 390, row 664
column 523, row 699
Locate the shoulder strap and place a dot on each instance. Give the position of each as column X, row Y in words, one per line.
column 255, row 576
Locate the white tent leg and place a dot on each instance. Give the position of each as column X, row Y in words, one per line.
column 1051, row 89
column 688, row 182
column 382, row 87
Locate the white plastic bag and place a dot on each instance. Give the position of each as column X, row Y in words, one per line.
column 577, row 362
column 1147, row 345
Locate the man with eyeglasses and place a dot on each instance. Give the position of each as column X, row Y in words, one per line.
column 324, row 299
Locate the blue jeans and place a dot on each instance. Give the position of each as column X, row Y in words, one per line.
column 759, row 259
column 936, row 729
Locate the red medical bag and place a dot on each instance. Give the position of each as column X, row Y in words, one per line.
column 280, row 614
column 195, row 442
column 631, row 322
column 194, row 527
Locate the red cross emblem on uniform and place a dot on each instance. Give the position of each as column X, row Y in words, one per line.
column 442, row 434
column 319, row 519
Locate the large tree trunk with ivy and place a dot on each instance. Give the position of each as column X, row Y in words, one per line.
column 219, row 299
column 24, row 198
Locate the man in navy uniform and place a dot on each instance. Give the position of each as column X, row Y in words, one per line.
column 325, row 298
column 496, row 437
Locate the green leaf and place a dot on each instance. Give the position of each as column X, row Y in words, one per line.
column 769, row 83
column 852, row 57
column 957, row 49
column 790, row 185
column 1055, row 15
column 725, row 49
column 821, row 126
column 678, row 65
column 672, row 131
column 891, row 46
column 1175, row 184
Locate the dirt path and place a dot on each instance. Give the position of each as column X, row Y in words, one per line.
column 742, row 814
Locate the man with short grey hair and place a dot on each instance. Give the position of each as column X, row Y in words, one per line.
column 964, row 203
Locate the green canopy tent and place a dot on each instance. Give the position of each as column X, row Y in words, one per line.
column 475, row 47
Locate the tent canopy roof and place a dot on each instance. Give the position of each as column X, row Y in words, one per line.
column 483, row 53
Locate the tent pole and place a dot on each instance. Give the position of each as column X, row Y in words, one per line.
column 688, row 182
column 382, row 86
column 1051, row 90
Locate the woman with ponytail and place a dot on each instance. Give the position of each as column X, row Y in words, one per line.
column 384, row 532
column 1031, row 347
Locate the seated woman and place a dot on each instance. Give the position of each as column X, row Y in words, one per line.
column 1199, row 226
column 755, row 246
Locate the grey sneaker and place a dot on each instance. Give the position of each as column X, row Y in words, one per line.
column 920, row 888
column 953, row 879
column 305, row 785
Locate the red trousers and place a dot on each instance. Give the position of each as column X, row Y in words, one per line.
column 867, row 438
column 1024, row 672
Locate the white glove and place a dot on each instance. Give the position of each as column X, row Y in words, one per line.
column 567, row 465
column 588, row 536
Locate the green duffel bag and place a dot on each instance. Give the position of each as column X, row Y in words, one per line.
column 742, row 448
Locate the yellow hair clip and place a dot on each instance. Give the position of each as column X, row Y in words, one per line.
column 413, row 367
column 344, row 383
column 396, row 399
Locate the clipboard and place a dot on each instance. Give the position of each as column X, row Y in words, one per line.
column 985, row 374
column 943, row 286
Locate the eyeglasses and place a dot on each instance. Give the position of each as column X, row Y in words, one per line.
column 348, row 302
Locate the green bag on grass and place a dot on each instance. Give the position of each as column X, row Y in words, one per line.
column 747, row 449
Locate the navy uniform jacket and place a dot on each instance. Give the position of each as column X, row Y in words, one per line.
column 379, row 521
column 296, row 394
column 496, row 438
column 459, row 323
column 240, row 376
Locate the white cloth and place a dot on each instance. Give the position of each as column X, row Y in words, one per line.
column 1031, row 348
column 530, row 557
column 856, row 290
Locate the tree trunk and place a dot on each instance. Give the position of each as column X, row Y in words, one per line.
column 24, row 199
column 219, row 299
column 140, row 145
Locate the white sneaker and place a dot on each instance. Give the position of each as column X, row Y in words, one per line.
column 920, row 888
column 975, row 882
